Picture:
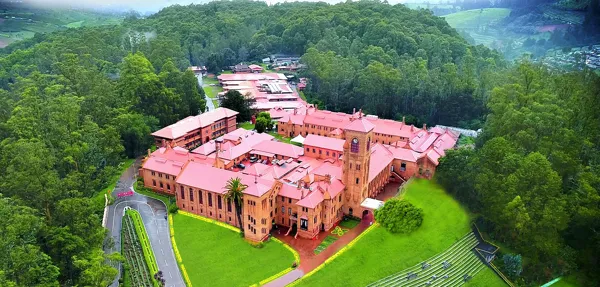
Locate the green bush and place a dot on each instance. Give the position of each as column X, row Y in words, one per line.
column 399, row 216
column 173, row 208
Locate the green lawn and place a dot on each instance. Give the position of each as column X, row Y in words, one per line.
column 246, row 125
column 212, row 91
column 486, row 278
column 326, row 242
column 210, row 80
column 75, row 24
column 216, row 256
column 380, row 253
column 302, row 96
column 349, row 223
column 471, row 19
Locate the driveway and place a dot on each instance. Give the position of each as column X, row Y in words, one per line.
column 153, row 214
column 209, row 103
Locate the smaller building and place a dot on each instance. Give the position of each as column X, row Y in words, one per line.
column 241, row 68
column 255, row 68
column 196, row 130
column 198, row 70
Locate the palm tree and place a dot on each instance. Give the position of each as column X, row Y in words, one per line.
column 235, row 192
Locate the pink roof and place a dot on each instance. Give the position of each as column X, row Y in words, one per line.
column 255, row 67
column 279, row 148
column 324, row 142
column 390, row 127
column 192, row 123
column 279, row 171
column 162, row 165
column 433, row 156
column 214, row 179
column 327, row 168
column 291, row 191
column 265, row 106
column 403, row 153
column 422, row 141
column 230, row 151
column 328, row 119
column 360, row 125
column 380, row 158
column 311, row 200
column 437, row 130
column 334, row 187
column 256, row 169
column 295, row 119
column 251, row 77
column 278, row 112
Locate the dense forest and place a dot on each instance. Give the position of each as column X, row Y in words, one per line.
column 76, row 102
column 534, row 177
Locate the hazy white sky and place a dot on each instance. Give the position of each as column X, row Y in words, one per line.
column 154, row 5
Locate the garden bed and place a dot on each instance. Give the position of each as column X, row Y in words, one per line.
column 137, row 268
column 326, row 242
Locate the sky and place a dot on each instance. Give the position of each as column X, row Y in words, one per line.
column 148, row 6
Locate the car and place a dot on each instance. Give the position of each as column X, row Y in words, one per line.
column 241, row 165
column 253, row 159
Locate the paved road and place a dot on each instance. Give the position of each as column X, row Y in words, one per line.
column 153, row 214
column 209, row 103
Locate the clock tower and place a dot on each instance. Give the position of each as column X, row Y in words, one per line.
column 357, row 155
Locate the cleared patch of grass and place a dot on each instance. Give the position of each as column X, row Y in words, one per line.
column 471, row 19
column 280, row 137
column 349, row 223
column 486, row 278
column 216, row 256
column 246, row 125
column 212, row 91
column 326, row 242
column 75, row 24
column 215, row 103
column 381, row 253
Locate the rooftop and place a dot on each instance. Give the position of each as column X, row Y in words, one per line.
column 324, row 142
column 192, row 123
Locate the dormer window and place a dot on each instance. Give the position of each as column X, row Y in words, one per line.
column 354, row 145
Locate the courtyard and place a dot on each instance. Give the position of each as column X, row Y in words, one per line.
column 211, row 253
column 381, row 253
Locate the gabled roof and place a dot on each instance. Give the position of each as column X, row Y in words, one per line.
column 311, row 200
column 191, row 123
column 279, row 148
column 360, row 125
column 324, row 142
column 213, row 179
column 380, row 158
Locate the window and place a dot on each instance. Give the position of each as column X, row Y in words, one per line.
column 290, row 200
column 327, row 153
column 403, row 166
column 229, row 205
column 303, row 224
column 219, row 203
column 283, row 210
column 168, row 186
column 354, row 145
column 289, row 211
column 357, row 180
column 200, row 195
column 153, row 173
column 209, row 199
column 315, row 220
column 340, row 198
column 314, row 150
column 358, row 167
column 264, row 230
column 161, row 184
column 320, row 151
column 166, row 176
column 191, row 194
column 333, row 154
column 420, row 170
column 182, row 193
column 154, row 182
column 160, row 175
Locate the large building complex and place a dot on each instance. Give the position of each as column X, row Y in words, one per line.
column 196, row 130
column 346, row 160
column 269, row 90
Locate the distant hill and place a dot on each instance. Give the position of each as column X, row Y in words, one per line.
column 18, row 23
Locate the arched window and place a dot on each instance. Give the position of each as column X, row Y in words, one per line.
column 354, row 145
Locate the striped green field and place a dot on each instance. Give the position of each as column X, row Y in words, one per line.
column 473, row 19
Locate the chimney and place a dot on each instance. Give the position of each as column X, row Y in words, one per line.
column 403, row 119
column 353, row 111
column 255, row 179
column 149, row 152
column 425, row 126
column 360, row 113
column 295, row 111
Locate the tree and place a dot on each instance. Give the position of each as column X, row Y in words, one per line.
column 261, row 124
column 399, row 216
column 513, row 265
column 234, row 192
column 233, row 100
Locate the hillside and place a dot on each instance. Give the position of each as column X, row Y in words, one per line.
column 22, row 23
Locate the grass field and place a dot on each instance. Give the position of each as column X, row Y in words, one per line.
column 472, row 19
column 247, row 125
column 349, row 223
column 486, row 278
column 380, row 253
column 216, row 256
column 326, row 242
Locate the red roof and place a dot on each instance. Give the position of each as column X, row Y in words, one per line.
column 255, row 67
column 311, row 200
column 279, row 148
column 324, row 142
column 360, row 125
column 214, row 179
column 251, row 77
column 192, row 123
column 380, row 158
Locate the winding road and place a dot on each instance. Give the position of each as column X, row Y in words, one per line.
column 153, row 214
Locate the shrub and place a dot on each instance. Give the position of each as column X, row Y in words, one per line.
column 399, row 216
column 513, row 265
column 261, row 124
column 173, row 208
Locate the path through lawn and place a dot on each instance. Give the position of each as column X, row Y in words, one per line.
column 380, row 253
column 216, row 256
